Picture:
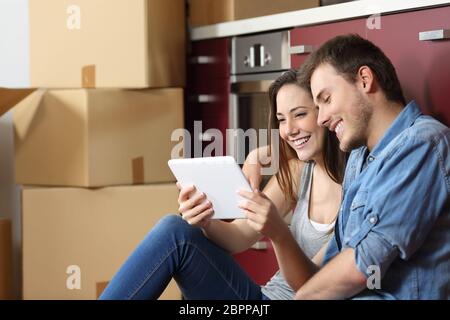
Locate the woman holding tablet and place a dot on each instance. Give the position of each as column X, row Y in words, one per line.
column 196, row 250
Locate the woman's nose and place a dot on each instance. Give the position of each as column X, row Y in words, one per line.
column 291, row 129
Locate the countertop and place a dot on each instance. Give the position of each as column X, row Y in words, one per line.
column 343, row 11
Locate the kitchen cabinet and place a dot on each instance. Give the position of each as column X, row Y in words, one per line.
column 423, row 67
column 208, row 89
column 312, row 37
column 260, row 264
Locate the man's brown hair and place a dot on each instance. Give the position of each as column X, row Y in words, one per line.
column 346, row 54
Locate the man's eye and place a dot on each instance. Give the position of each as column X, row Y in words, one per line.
column 328, row 99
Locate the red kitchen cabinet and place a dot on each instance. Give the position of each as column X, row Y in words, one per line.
column 423, row 67
column 208, row 89
column 260, row 264
column 314, row 36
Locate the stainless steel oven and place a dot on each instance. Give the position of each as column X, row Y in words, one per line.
column 256, row 61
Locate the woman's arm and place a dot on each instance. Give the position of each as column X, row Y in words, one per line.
column 238, row 235
column 262, row 210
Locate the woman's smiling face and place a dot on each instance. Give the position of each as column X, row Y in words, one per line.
column 297, row 119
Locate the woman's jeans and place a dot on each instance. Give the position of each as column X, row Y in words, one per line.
column 173, row 248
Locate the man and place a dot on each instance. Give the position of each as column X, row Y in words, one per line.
column 392, row 237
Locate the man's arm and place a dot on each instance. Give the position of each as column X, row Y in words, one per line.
column 338, row 279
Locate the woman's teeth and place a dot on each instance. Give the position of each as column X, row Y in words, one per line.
column 302, row 141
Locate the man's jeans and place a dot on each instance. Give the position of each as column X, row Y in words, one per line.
column 173, row 248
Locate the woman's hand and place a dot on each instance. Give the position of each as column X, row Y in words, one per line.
column 262, row 215
column 252, row 167
column 194, row 207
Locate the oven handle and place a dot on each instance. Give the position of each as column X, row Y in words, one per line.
column 248, row 87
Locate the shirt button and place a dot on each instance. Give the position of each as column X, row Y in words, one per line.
column 373, row 220
column 371, row 158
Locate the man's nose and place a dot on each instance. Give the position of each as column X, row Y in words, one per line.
column 323, row 119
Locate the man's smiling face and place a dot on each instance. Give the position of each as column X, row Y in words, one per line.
column 343, row 107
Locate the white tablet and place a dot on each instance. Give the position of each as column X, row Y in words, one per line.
column 218, row 177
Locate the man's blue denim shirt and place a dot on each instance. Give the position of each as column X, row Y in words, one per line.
column 395, row 212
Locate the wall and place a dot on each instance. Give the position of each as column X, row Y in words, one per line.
column 13, row 73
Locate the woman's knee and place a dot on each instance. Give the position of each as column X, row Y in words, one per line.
column 177, row 226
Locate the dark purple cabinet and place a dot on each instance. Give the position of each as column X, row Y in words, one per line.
column 423, row 67
column 208, row 88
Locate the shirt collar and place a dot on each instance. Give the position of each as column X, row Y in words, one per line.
column 403, row 121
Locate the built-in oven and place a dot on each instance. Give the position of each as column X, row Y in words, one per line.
column 256, row 61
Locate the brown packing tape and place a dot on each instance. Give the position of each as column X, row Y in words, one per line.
column 138, row 170
column 88, row 77
column 10, row 97
column 100, row 287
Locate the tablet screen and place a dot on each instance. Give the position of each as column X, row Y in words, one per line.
column 219, row 178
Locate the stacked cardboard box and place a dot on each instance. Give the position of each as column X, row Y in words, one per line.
column 107, row 44
column 75, row 239
column 92, row 143
column 205, row 12
column 96, row 137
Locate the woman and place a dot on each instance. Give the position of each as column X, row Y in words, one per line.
column 195, row 250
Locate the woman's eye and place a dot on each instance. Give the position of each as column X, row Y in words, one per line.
column 300, row 115
column 280, row 120
column 328, row 99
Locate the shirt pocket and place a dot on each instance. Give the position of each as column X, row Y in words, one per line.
column 360, row 221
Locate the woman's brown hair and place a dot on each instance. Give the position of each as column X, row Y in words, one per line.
column 334, row 158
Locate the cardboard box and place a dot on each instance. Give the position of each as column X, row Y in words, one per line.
column 75, row 240
column 107, row 43
column 172, row 292
column 205, row 12
column 96, row 137
column 10, row 97
column 6, row 276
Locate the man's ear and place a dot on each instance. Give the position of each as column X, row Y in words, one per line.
column 365, row 79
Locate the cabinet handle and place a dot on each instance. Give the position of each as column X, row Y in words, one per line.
column 206, row 98
column 434, row 35
column 303, row 49
column 260, row 245
column 205, row 137
column 203, row 60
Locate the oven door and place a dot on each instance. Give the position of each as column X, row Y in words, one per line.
column 249, row 113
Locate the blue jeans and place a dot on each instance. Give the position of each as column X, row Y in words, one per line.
column 175, row 249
